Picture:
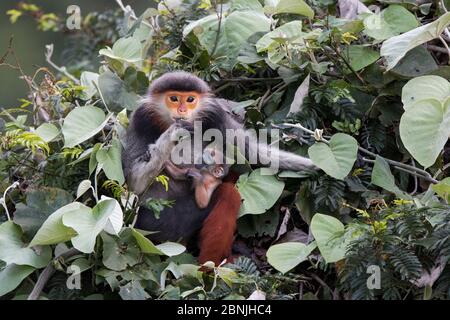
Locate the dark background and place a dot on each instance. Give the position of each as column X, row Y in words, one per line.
column 29, row 42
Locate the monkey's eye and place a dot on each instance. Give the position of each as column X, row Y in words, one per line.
column 190, row 99
column 173, row 98
column 218, row 172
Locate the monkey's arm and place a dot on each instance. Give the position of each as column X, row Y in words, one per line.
column 147, row 165
column 175, row 172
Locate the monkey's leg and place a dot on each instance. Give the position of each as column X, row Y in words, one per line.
column 147, row 167
column 216, row 236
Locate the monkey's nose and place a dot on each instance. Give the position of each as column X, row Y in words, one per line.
column 182, row 109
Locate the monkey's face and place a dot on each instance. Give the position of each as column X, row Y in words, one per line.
column 181, row 104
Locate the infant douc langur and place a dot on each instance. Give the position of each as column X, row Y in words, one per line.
column 206, row 177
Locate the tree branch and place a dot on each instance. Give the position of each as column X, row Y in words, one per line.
column 398, row 165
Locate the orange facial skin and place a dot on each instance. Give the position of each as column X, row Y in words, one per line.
column 181, row 104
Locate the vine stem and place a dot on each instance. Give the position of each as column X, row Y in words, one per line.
column 47, row 273
column 398, row 165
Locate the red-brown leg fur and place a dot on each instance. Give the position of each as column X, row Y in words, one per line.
column 217, row 234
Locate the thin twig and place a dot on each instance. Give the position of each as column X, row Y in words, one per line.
column 216, row 43
column 48, row 58
column 128, row 9
column 446, row 47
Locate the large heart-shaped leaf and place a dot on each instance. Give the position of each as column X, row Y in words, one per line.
column 119, row 253
column 294, row 6
column 14, row 251
column 47, row 131
column 115, row 93
column 126, row 50
column 53, row 230
column 110, row 159
column 336, row 158
column 390, row 22
column 329, row 234
column 291, row 30
column 425, row 87
column 168, row 248
column 382, row 177
column 89, row 80
column 106, row 215
column 395, row 48
column 12, row 275
column 258, row 192
column 83, row 123
column 40, row 204
column 360, row 57
column 285, row 256
column 424, row 129
column 236, row 28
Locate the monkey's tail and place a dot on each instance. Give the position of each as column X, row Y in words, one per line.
column 275, row 158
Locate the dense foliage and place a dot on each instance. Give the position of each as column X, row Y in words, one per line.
column 362, row 92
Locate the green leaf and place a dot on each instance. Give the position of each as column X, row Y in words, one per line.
column 417, row 62
column 382, row 177
column 119, row 253
column 443, row 189
column 53, row 230
column 425, row 87
column 328, row 232
column 47, row 132
column 336, row 158
column 259, row 192
column 40, row 204
column 244, row 5
column 14, row 251
column 294, row 6
column 110, row 159
column 115, row 93
column 360, row 57
column 168, row 248
column 424, row 129
column 236, row 28
column 133, row 290
column 392, row 21
column 11, row 276
column 89, row 80
column 395, row 48
column 83, row 123
column 288, row 255
column 125, row 49
column 291, row 30
column 171, row 249
column 106, row 215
